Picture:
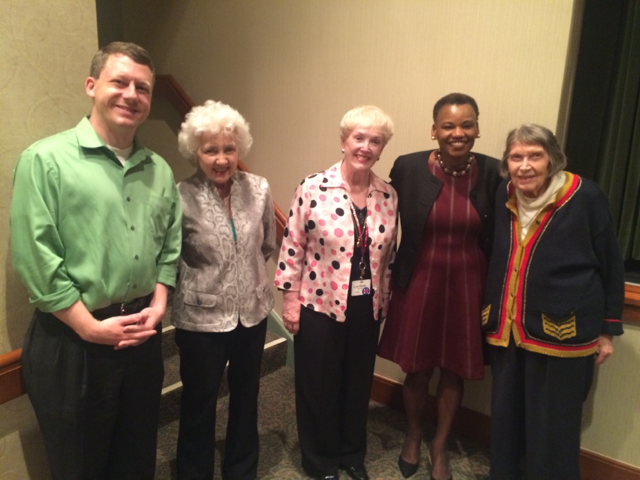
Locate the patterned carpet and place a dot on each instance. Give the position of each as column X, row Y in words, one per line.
column 280, row 455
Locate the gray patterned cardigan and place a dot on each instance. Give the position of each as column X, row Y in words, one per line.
column 222, row 281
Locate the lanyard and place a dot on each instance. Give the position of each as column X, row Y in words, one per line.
column 227, row 204
column 233, row 227
column 361, row 242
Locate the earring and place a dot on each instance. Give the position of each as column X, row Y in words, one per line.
column 343, row 150
column 433, row 137
column 478, row 136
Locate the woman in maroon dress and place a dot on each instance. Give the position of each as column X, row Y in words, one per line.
column 445, row 200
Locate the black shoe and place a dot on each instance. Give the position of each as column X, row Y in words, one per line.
column 407, row 469
column 357, row 473
column 320, row 476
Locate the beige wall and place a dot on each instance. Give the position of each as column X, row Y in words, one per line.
column 293, row 68
column 611, row 420
column 45, row 51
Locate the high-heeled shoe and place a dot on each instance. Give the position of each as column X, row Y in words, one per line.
column 407, row 469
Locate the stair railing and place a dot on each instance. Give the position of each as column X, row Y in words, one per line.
column 166, row 86
column 11, row 384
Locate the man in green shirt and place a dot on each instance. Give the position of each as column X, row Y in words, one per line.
column 95, row 237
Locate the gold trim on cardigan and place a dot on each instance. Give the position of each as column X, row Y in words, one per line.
column 510, row 325
column 559, row 329
column 485, row 314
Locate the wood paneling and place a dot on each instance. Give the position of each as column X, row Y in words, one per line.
column 476, row 426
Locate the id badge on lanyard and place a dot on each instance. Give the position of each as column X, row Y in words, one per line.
column 362, row 286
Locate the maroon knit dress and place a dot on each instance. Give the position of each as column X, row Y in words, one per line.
column 435, row 322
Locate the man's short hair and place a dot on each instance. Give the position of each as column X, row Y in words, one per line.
column 131, row 50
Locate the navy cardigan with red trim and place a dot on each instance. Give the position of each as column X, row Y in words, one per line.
column 562, row 286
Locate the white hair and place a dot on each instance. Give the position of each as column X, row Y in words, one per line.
column 213, row 118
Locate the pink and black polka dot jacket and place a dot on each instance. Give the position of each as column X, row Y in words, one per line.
column 318, row 243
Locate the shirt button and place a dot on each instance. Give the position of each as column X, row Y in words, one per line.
column 132, row 227
column 515, row 269
column 136, row 257
column 128, row 199
column 135, row 285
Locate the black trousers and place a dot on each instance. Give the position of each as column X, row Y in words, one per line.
column 334, row 363
column 203, row 357
column 97, row 407
column 536, row 411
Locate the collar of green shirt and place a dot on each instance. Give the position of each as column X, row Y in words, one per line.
column 88, row 138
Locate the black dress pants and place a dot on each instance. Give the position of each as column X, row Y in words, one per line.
column 203, row 357
column 97, row 407
column 334, row 363
column 536, row 411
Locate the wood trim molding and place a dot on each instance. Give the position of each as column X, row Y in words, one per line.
column 11, row 383
column 168, row 87
column 594, row 466
column 477, row 426
column 631, row 303
column 473, row 425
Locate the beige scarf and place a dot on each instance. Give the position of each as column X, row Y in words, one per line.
column 529, row 208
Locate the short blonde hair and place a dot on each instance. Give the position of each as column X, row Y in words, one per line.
column 213, row 118
column 368, row 116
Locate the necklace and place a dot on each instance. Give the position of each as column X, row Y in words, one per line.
column 454, row 172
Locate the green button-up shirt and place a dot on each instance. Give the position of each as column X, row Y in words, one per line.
column 85, row 227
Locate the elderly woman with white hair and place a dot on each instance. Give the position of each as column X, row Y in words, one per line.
column 334, row 270
column 222, row 297
column 553, row 302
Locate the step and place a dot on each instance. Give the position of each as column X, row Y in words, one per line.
column 274, row 357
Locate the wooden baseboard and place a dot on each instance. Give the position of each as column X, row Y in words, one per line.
column 594, row 466
column 476, row 426
column 11, row 384
column 473, row 425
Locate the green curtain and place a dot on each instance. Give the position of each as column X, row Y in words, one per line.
column 603, row 135
column 618, row 172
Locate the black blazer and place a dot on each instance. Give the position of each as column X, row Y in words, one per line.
column 417, row 191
